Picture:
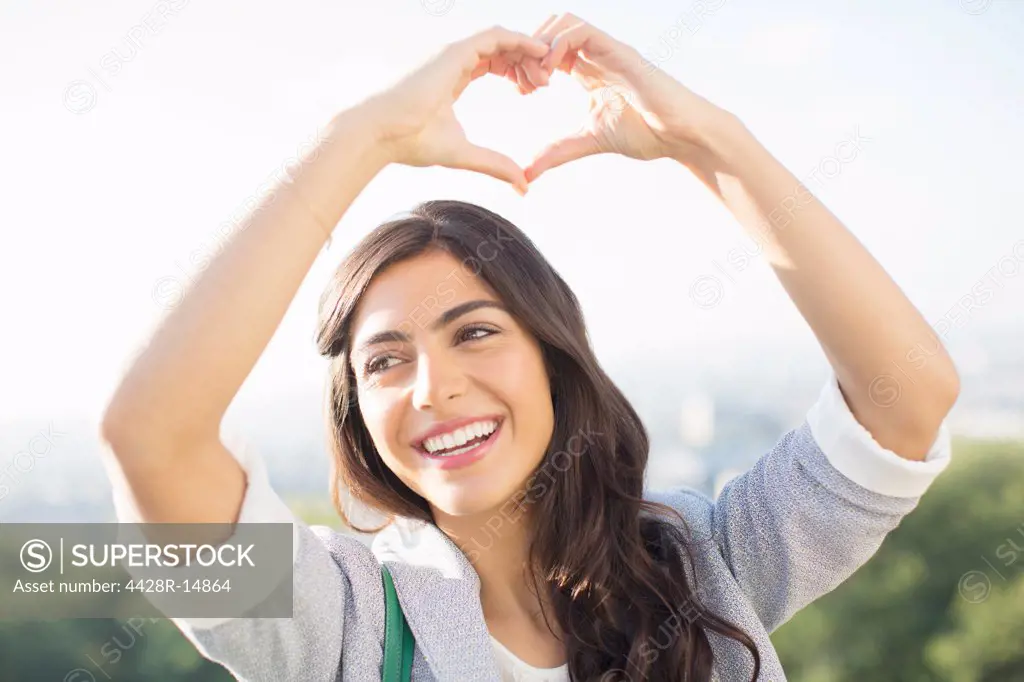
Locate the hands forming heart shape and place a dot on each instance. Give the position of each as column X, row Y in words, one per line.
column 636, row 110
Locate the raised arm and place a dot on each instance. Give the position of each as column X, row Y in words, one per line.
column 162, row 425
column 873, row 336
column 894, row 372
column 819, row 504
column 163, row 422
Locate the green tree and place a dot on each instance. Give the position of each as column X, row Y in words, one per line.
column 942, row 600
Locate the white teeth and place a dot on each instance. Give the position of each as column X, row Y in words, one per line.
column 459, row 437
column 458, row 451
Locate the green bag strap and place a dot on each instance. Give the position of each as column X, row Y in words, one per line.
column 398, row 640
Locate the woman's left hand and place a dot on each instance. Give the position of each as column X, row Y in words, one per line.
column 636, row 110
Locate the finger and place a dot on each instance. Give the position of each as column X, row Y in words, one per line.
column 568, row 62
column 478, row 53
column 489, row 162
column 583, row 41
column 525, row 86
column 498, row 65
column 505, row 67
column 567, row 42
column 510, row 74
column 499, row 40
column 529, row 84
column 537, row 76
column 553, row 28
column 549, row 31
column 545, row 26
column 482, row 67
column 562, row 152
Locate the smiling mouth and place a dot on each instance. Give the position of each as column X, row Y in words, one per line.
column 465, row 453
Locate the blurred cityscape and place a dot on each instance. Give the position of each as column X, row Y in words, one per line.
column 706, row 424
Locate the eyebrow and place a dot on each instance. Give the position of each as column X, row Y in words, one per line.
column 443, row 320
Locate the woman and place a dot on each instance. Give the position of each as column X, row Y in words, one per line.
column 466, row 404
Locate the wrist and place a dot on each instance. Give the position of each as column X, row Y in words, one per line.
column 345, row 160
column 723, row 137
column 360, row 132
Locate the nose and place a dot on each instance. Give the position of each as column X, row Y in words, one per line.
column 439, row 379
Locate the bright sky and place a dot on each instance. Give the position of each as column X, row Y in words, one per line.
column 125, row 147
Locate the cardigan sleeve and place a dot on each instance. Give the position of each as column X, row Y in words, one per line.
column 306, row 646
column 814, row 508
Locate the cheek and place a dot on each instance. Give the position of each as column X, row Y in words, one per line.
column 383, row 419
column 521, row 381
column 513, row 373
column 382, row 415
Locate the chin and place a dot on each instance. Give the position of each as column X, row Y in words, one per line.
column 470, row 501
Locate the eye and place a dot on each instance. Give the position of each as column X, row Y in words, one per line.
column 375, row 365
column 468, row 330
column 467, row 333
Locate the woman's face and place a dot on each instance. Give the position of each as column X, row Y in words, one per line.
column 445, row 363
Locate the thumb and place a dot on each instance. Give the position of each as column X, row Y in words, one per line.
column 469, row 156
column 561, row 152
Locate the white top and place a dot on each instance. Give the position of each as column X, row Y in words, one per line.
column 514, row 669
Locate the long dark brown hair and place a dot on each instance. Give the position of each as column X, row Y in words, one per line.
column 613, row 569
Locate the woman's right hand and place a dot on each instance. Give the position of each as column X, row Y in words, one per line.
column 417, row 125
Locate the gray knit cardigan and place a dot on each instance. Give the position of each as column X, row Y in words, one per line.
column 790, row 529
